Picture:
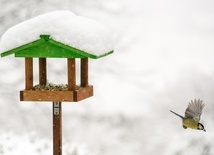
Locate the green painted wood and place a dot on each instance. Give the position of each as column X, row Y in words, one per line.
column 23, row 47
column 80, row 52
column 49, row 48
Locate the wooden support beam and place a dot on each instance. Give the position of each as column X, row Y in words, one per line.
column 28, row 73
column 42, row 71
column 84, row 72
column 57, row 128
column 71, row 74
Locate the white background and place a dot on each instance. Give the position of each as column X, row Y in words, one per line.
column 163, row 58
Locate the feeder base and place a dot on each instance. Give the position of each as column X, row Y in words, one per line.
column 57, row 96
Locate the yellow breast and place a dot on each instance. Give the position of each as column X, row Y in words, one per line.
column 190, row 123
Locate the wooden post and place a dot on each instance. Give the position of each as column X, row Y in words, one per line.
column 71, row 74
column 42, row 71
column 28, row 73
column 57, row 128
column 84, row 72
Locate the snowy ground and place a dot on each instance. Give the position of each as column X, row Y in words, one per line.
column 163, row 58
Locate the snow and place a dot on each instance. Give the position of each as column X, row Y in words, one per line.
column 163, row 59
column 63, row 26
column 32, row 144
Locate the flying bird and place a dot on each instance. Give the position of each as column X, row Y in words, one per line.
column 192, row 115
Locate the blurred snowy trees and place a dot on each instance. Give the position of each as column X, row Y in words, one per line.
column 163, row 59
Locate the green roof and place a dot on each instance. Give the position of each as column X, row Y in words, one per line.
column 45, row 47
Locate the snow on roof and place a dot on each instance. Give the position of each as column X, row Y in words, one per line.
column 63, row 26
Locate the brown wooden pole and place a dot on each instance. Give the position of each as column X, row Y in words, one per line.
column 42, row 71
column 71, row 74
column 28, row 73
column 57, row 128
column 84, row 72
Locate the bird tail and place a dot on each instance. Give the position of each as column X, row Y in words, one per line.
column 176, row 114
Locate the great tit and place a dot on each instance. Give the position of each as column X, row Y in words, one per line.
column 192, row 115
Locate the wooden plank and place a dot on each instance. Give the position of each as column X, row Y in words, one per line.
column 46, row 96
column 71, row 74
column 84, row 72
column 57, row 96
column 28, row 73
column 42, row 71
column 22, row 48
column 57, row 128
column 83, row 93
column 48, row 50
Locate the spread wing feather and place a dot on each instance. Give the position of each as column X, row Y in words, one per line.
column 194, row 109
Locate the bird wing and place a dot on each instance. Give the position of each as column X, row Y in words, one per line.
column 194, row 109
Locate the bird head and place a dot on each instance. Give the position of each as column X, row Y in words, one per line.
column 201, row 127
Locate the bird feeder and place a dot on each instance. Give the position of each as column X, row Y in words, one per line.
column 43, row 48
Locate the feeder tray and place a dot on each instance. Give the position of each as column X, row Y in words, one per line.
column 56, row 93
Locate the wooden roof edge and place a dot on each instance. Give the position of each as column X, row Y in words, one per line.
column 102, row 55
column 14, row 50
column 48, row 38
column 81, row 52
